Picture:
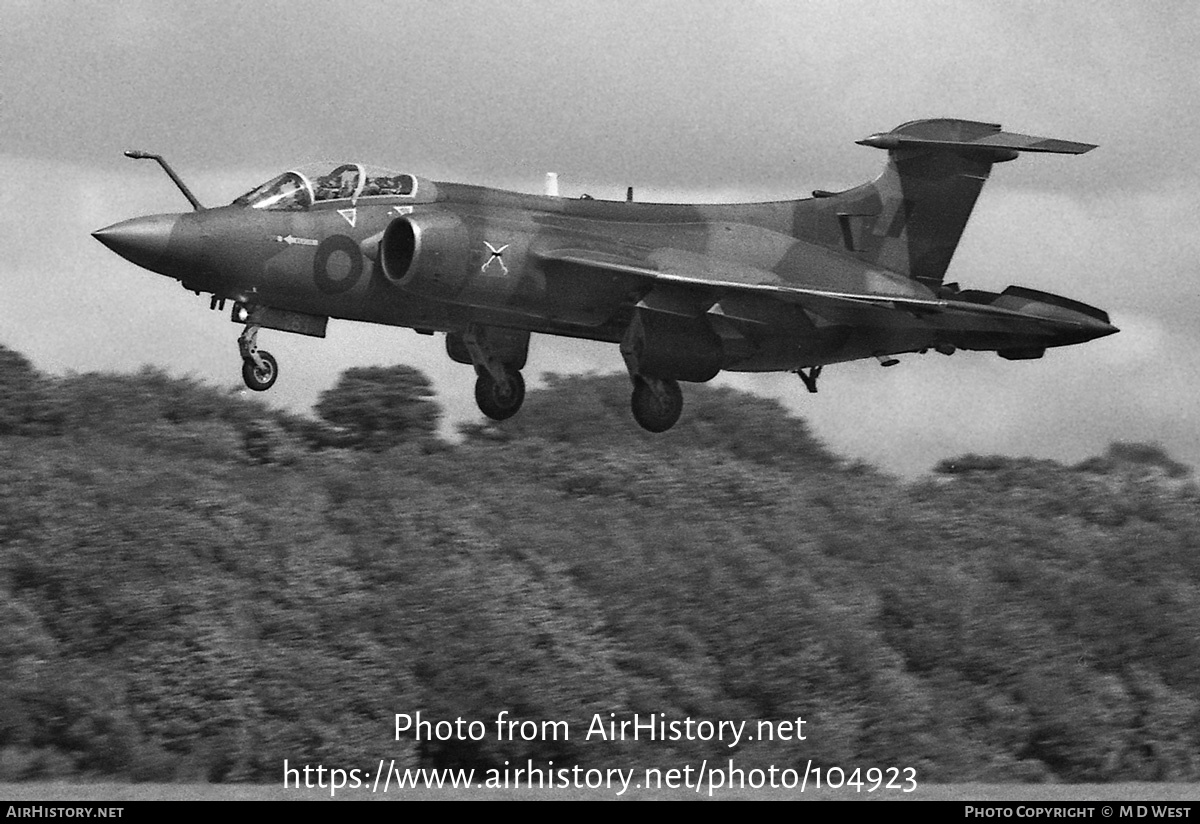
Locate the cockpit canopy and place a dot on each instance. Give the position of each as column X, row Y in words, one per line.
column 299, row 189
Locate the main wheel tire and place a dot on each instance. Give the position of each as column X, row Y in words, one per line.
column 500, row 401
column 656, row 411
column 260, row 380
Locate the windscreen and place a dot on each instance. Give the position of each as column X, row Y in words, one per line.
column 288, row 192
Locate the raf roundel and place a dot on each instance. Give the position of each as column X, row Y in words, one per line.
column 331, row 272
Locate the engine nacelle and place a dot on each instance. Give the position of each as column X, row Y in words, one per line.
column 426, row 254
column 668, row 346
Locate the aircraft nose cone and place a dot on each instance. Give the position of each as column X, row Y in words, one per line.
column 142, row 240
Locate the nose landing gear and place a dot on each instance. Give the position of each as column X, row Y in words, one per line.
column 259, row 369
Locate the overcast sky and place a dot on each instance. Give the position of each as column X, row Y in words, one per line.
column 686, row 101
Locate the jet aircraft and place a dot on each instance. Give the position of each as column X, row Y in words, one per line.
column 685, row 290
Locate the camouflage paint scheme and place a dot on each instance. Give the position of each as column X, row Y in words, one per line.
column 686, row 290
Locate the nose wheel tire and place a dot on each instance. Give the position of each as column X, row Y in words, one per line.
column 656, row 403
column 260, row 379
column 500, row 400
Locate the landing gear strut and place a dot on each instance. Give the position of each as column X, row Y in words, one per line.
column 499, row 387
column 656, row 402
column 259, row 369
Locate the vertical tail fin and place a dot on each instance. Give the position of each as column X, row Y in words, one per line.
column 911, row 218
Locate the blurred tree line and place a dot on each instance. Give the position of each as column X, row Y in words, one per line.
column 194, row 586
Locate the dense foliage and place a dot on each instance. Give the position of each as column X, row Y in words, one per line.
column 194, row 586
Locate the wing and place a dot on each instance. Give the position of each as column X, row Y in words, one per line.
column 684, row 283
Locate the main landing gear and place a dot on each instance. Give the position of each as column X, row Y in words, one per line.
column 259, row 369
column 656, row 403
column 497, row 355
column 501, row 398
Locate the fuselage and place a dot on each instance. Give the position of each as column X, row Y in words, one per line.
column 321, row 257
column 685, row 290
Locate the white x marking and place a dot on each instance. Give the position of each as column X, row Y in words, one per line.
column 496, row 256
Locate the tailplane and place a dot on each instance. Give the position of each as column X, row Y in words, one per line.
column 910, row 219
